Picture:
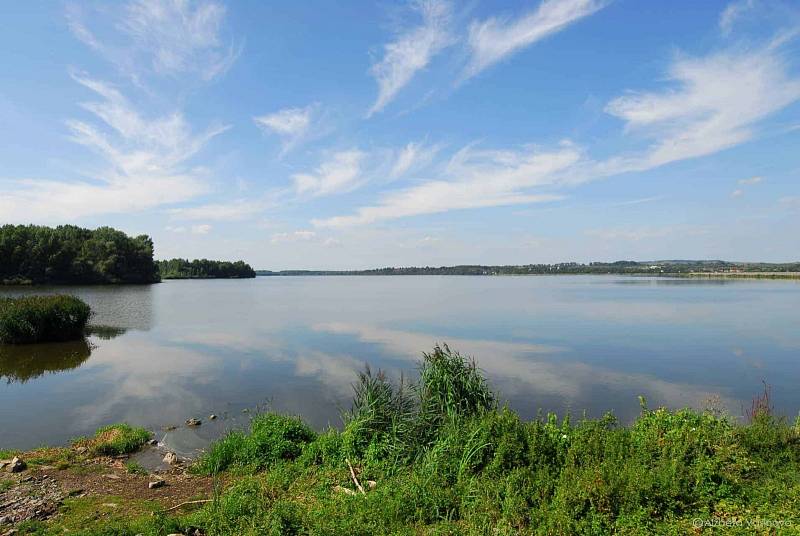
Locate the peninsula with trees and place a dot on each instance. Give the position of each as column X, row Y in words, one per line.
column 204, row 269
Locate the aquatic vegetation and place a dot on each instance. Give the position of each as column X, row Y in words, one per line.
column 272, row 438
column 114, row 439
column 32, row 319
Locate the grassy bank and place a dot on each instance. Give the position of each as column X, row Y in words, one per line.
column 440, row 457
column 33, row 319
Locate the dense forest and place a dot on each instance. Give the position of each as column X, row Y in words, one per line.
column 619, row 267
column 34, row 254
column 204, row 269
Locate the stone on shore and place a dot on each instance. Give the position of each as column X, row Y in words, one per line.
column 16, row 465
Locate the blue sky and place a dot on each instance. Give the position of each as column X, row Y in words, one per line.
column 352, row 134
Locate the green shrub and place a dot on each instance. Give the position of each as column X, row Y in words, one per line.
column 451, row 385
column 32, row 319
column 272, row 438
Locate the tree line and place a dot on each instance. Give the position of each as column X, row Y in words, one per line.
column 204, row 269
column 35, row 254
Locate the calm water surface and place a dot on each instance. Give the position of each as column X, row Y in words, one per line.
column 159, row 354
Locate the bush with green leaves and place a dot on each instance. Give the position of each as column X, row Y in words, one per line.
column 272, row 438
column 32, row 319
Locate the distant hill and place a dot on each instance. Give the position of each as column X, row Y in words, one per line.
column 617, row 267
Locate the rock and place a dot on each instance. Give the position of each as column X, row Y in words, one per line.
column 371, row 484
column 212, row 417
column 81, row 450
column 3, row 463
column 193, row 422
column 170, row 458
column 152, row 442
column 155, row 484
column 342, row 489
column 16, row 465
column 2, row 520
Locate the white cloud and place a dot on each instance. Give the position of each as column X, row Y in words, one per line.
column 751, row 180
column 412, row 51
column 340, row 173
column 291, row 124
column 639, row 201
column 201, row 229
column 639, row 233
column 295, row 236
column 494, row 39
column 737, row 193
column 413, row 156
column 476, row 179
column 146, row 165
column 239, row 209
column 732, row 12
column 716, row 105
column 166, row 37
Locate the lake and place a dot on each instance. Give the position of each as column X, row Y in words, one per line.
column 160, row 354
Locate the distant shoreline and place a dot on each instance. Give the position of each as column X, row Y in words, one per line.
column 664, row 268
column 699, row 275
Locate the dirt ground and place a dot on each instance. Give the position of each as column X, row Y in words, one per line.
column 38, row 492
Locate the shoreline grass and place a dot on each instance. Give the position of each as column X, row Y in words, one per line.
column 439, row 456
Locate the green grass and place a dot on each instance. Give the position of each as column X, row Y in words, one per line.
column 135, row 468
column 272, row 438
column 114, row 439
column 447, row 460
column 33, row 319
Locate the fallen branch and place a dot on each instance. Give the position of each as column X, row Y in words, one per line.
column 187, row 502
column 353, row 474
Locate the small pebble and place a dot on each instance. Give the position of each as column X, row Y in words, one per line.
column 155, row 484
column 212, row 417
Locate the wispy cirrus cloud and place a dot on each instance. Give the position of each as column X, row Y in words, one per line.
column 145, row 164
column 412, row 51
column 164, row 37
column 716, row 104
column 751, row 180
column 412, row 157
column 292, row 125
column 732, row 12
column 236, row 210
column 303, row 235
column 495, row 39
column 712, row 103
column 341, row 172
column 472, row 179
